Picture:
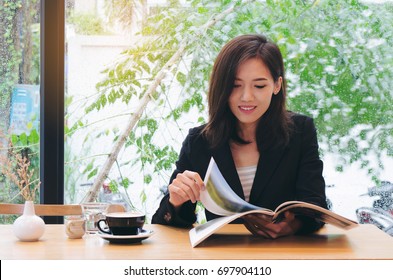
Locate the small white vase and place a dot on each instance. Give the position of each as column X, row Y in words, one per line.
column 29, row 226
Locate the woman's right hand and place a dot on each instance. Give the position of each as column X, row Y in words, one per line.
column 186, row 186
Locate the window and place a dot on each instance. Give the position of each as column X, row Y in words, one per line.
column 32, row 55
column 113, row 61
column 135, row 80
column 19, row 99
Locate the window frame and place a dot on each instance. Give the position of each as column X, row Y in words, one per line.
column 52, row 48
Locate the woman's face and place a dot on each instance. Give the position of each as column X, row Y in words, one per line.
column 252, row 92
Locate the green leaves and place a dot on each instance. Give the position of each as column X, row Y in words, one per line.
column 337, row 54
column 90, row 170
column 181, row 78
column 23, row 140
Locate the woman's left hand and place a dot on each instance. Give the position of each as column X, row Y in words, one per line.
column 262, row 225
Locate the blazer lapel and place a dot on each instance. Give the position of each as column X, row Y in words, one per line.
column 224, row 160
column 267, row 165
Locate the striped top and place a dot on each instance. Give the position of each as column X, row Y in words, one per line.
column 246, row 176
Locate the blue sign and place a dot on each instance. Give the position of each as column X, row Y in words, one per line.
column 25, row 109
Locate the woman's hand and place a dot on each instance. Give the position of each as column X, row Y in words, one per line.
column 262, row 225
column 186, row 186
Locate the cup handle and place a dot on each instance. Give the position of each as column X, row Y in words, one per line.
column 101, row 229
column 69, row 227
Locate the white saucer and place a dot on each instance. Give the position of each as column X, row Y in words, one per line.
column 126, row 239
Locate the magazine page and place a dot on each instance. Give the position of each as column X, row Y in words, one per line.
column 218, row 197
column 203, row 231
column 315, row 212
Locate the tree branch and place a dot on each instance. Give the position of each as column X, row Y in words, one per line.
column 103, row 174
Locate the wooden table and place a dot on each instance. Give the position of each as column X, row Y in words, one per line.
column 232, row 242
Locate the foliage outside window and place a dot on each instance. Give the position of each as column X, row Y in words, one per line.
column 87, row 24
column 338, row 56
column 19, row 66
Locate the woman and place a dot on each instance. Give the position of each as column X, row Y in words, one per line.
column 266, row 154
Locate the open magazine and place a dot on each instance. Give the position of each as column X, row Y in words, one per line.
column 220, row 199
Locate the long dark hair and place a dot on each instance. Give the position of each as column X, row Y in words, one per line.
column 275, row 126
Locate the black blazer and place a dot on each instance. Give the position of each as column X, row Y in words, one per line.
column 290, row 173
